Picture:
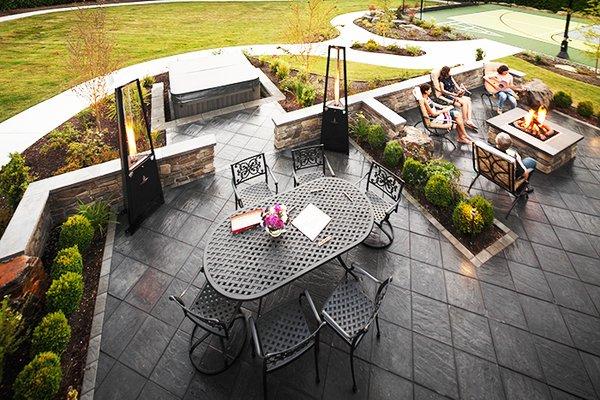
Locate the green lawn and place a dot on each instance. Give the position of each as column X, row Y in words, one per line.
column 33, row 50
column 356, row 71
column 580, row 91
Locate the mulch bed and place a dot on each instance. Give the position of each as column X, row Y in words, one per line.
column 444, row 217
column 398, row 51
column 411, row 32
column 290, row 103
column 583, row 74
column 572, row 111
column 74, row 358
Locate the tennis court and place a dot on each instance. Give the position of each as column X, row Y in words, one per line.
column 538, row 31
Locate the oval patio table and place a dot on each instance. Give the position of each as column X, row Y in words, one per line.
column 250, row 265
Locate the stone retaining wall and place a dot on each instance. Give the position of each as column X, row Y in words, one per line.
column 49, row 201
column 304, row 125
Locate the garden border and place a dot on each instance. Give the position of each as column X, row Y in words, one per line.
column 478, row 259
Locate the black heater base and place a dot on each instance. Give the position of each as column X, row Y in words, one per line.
column 144, row 193
column 334, row 130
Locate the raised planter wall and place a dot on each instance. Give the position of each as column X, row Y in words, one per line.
column 51, row 200
column 297, row 127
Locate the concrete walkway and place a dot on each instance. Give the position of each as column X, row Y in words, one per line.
column 22, row 130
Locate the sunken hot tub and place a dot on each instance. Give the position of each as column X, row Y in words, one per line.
column 198, row 91
column 551, row 145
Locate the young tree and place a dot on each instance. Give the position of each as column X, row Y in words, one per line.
column 592, row 33
column 91, row 56
column 308, row 23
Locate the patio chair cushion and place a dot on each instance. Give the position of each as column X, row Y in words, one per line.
column 255, row 194
column 350, row 307
column 497, row 166
column 310, row 176
column 281, row 329
column 380, row 206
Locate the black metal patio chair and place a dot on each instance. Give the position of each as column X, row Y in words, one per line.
column 310, row 157
column 216, row 316
column 350, row 311
column 390, row 186
column 250, row 168
column 436, row 127
column 283, row 334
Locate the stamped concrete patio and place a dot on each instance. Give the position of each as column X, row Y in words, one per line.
column 525, row 325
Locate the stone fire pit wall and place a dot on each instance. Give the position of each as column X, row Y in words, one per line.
column 50, row 200
column 382, row 105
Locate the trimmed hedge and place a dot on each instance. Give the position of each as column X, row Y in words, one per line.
column 40, row 379
column 414, row 173
column 439, row 191
column 76, row 230
column 53, row 334
column 65, row 293
column 485, row 208
column 67, row 260
column 393, row 154
column 467, row 219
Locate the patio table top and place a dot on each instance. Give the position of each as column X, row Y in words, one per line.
column 250, row 265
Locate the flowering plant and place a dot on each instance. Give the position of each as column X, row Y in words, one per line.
column 274, row 219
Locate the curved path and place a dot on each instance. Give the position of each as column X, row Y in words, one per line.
column 22, row 130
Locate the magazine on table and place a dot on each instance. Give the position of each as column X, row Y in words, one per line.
column 311, row 221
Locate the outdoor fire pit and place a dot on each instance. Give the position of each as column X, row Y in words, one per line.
column 550, row 144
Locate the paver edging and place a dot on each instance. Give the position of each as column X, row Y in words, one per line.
column 478, row 259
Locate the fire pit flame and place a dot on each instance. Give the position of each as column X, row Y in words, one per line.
column 534, row 124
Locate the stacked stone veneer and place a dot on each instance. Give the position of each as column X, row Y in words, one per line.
column 50, row 200
column 382, row 105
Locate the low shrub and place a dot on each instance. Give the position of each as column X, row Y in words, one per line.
column 443, row 167
column 446, row 28
column 360, row 127
column 283, row 69
column 393, row 48
column 538, row 60
column 428, row 24
column 439, row 191
column 375, row 82
column 148, row 81
column 585, row 109
column 14, row 179
column 371, row 45
column 393, row 154
column 356, row 45
column 562, row 100
column 12, row 328
column 274, row 64
column 53, row 333
column 376, row 136
column 485, row 208
column 414, row 173
column 467, row 219
column 65, row 293
column 40, row 379
column 76, row 230
column 304, row 92
column 85, row 117
column 436, row 31
column 479, row 54
column 67, row 260
column 97, row 212
column 414, row 50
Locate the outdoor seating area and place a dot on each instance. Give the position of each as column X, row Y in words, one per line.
column 319, row 200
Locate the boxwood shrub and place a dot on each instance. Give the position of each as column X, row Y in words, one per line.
column 76, row 230
column 485, row 208
column 53, row 334
column 439, row 191
column 585, row 109
column 414, row 173
column 40, row 379
column 393, row 154
column 67, row 260
column 443, row 167
column 65, row 293
column 562, row 100
column 376, row 136
column 467, row 219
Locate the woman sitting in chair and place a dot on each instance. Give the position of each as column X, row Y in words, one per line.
column 525, row 166
column 459, row 94
column 445, row 113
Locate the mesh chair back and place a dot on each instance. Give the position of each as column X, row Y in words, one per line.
column 379, row 296
column 307, row 157
column 249, row 168
column 495, row 165
column 211, row 325
column 385, row 180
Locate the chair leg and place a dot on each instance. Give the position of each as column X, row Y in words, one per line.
column 514, row 203
column 223, row 349
column 265, row 381
column 389, row 235
column 352, row 369
column 377, row 325
column 318, row 379
column 472, row 183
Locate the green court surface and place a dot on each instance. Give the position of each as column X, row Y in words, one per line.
column 532, row 30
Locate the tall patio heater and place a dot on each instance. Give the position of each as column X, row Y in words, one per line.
column 334, row 124
column 142, row 190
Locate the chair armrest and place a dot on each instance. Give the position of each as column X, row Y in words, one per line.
column 274, row 179
column 329, row 166
column 255, row 339
column 365, row 273
column 237, row 197
column 334, row 325
column 177, row 300
column 357, row 183
column 311, row 304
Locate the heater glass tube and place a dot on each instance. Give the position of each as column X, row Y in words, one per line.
column 336, row 85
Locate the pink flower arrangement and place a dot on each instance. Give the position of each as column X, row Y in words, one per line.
column 275, row 218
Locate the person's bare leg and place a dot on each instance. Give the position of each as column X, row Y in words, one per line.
column 461, row 133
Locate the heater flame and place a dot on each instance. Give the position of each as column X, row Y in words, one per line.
column 336, row 84
column 130, row 133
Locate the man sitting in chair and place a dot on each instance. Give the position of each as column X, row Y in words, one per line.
column 525, row 166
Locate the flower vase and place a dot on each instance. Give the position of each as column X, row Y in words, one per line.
column 275, row 232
